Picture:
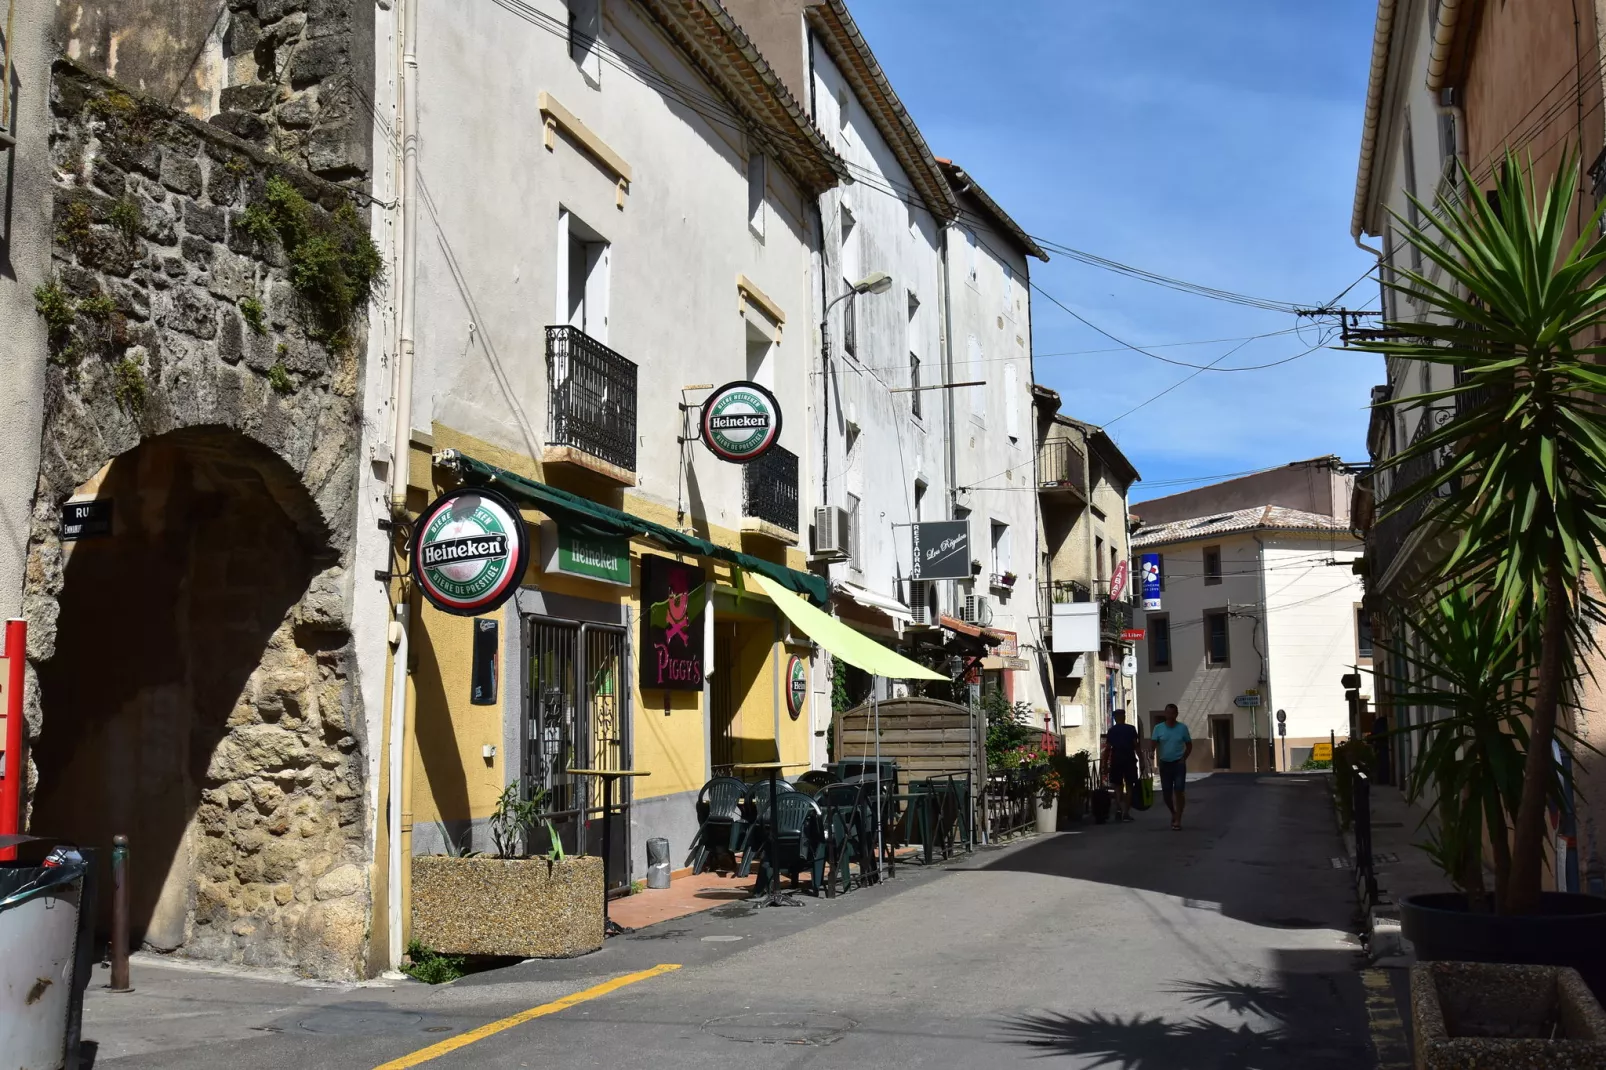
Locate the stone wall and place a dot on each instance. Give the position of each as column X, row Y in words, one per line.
column 174, row 329
column 291, row 75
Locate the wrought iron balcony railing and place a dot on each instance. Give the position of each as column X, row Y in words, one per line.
column 1388, row 534
column 1061, row 467
column 592, row 397
column 769, row 488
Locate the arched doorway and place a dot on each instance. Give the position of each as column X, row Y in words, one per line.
column 196, row 700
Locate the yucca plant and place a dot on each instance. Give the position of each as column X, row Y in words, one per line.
column 1519, row 314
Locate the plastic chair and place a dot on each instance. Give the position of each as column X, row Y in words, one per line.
column 721, row 825
column 846, row 822
column 811, row 782
column 792, row 840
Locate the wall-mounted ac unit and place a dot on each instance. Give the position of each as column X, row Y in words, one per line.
column 976, row 609
column 832, row 533
column 923, row 603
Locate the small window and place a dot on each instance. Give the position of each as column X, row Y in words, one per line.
column 757, row 184
column 1218, row 651
column 1363, row 634
column 1159, row 629
column 585, row 27
column 1212, row 564
column 854, row 540
column 1098, row 558
column 1001, row 548
column 970, row 252
column 914, row 385
column 850, row 324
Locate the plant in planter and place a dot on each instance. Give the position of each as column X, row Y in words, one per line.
column 512, row 904
column 1075, row 772
column 1515, row 470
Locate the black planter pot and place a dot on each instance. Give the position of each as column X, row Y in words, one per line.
column 1569, row 930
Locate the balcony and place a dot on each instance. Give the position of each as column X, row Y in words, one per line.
column 1388, row 535
column 1061, row 470
column 769, row 495
column 591, row 393
column 1114, row 618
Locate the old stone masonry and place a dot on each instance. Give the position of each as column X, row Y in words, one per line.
column 205, row 322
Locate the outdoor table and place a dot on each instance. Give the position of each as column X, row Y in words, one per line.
column 773, row 897
column 607, row 776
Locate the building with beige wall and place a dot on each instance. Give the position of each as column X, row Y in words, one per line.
column 1259, row 603
column 1083, row 483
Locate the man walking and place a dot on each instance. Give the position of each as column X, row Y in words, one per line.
column 1172, row 746
column 1122, row 741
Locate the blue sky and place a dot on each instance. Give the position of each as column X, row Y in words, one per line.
column 1211, row 142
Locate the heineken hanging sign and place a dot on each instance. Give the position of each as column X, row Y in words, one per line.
column 469, row 551
column 741, row 420
column 797, row 685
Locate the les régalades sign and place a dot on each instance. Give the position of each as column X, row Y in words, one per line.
column 469, row 551
column 941, row 550
column 674, row 597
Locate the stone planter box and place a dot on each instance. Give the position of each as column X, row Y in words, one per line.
column 1485, row 1016
column 528, row 907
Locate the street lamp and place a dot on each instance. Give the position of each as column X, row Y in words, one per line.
column 877, row 282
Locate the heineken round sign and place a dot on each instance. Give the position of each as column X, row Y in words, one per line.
column 469, row 550
column 797, row 685
column 740, row 421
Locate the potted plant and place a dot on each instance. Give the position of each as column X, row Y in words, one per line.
column 549, row 906
column 1075, row 771
column 1513, row 471
column 1008, row 579
column 1034, row 762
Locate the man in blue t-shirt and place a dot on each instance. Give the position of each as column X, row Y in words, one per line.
column 1122, row 740
column 1172, row 745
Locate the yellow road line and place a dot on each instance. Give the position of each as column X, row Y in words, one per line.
column 1383, row 1020
column 435, row 1051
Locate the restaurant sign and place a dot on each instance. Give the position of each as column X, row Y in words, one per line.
column 797, row 685
column 469, row 551
column 601, row 558
column 674, row 597
column 741, row 421
column 941, row 550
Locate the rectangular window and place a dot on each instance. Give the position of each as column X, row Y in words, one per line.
column 585, row 27
column 854, row 540
column 1159, row 628
column 914, row 385
column 1363, row 634
column 582, row 277
column 850, row 325
column 1098, row 558
column 1212, row 564
column 757, row 185
column 1218, row 650
column 1001, row 548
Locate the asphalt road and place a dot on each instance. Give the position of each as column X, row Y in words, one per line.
column 1222, row 946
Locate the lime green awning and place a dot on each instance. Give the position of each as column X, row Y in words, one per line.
column 842, row 641
column 586, row 517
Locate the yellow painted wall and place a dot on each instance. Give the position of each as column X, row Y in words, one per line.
column 451, row 781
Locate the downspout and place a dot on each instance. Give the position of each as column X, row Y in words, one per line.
column 946, row 298
column 1263, row 627
column 398, row 731
column 402, row 432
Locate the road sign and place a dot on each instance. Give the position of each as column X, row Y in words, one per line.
column 1132, row 635
column 1282, row 728
column 1322, row 752
column 1247, row 701
column 1282, row 715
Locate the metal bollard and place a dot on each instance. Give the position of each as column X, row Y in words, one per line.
column 119, row 949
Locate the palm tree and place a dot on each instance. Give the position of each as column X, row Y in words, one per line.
column 1519, row 315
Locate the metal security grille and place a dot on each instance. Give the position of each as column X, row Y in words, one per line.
column 722, row 711
column 577, row 716
column 592, row 394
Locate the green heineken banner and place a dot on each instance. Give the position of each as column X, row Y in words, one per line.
column 601, row 558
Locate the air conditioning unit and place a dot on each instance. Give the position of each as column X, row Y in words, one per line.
column 976, row 609
column 923, row 603
column 1380, row 394
column 832, row 533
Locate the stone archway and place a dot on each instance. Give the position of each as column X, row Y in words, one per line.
column 193, row 681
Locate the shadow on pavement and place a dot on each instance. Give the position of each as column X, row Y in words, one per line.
column 1303, row 1020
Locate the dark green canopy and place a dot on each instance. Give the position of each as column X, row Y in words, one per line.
column 582, row 516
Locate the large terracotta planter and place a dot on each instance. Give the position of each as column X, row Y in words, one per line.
column 1486, row 1016
column 529, row 907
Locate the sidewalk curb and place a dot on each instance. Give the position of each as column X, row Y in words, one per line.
column 1386, row 945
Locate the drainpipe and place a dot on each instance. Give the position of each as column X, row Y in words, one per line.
column 948, row 361
column 1263, row 626
column 398, row 731
column 402, row 433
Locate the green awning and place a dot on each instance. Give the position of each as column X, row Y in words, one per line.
column 585, row 517
column 842, row 641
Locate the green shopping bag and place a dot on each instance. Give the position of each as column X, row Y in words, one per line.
column 1143, row 794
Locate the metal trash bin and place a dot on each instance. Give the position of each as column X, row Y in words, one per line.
column 40, row 930
column 657, row 862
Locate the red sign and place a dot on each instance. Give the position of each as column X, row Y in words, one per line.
column 1118, row 582
column 1132, row 634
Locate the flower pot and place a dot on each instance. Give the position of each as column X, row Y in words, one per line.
column 1047, row 816
column 529, row 907
column 1491, row 1016
column 1569, row 930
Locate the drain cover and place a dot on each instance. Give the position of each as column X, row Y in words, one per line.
column 720, row 939
column 781, row 1027
column 361, row 1022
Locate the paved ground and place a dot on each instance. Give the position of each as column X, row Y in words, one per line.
column 1222, row 946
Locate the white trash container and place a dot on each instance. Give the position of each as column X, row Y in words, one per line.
column 39, row 934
